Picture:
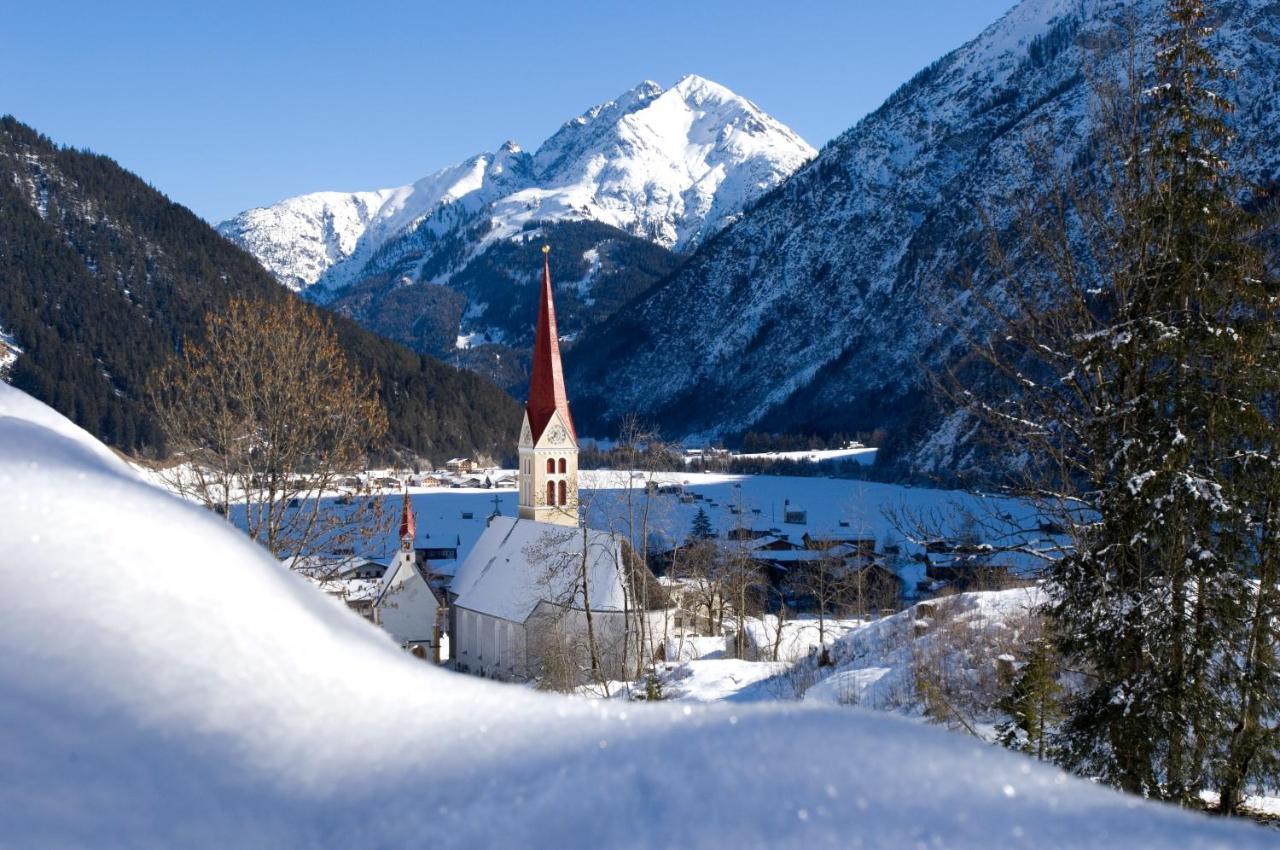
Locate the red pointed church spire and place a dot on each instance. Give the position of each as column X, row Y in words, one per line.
column 546, row 384
column 408, row 523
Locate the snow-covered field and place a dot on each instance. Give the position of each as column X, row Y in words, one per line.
column 800, row 638
column 617, row 501
column 863, row 455
column 163, row 683
column 727, row 680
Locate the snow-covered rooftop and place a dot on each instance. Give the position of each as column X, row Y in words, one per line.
column 517, row 563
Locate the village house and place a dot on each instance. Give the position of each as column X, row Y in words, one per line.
column 793, row 514
column 865, row 546
column 354, row 582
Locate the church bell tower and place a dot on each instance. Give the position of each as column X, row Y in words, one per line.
column 548, row 443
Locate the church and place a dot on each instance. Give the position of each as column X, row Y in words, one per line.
column 541, row 595
column 409, row 603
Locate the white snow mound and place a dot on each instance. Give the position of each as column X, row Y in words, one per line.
column 164, row 684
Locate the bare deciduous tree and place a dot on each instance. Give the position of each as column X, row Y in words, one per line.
column 267, row 420
column 824, row 586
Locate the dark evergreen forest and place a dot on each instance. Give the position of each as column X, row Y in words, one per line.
column 102, row 277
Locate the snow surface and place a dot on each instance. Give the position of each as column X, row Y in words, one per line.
column 163, row 683
column 800, row 637
column 727, row 680
column 694, row 647
column 863, row 455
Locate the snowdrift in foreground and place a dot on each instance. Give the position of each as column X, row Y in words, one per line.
column 163, row 683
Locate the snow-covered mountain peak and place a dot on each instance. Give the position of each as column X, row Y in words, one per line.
column 637, row 96
column 668, row 165
column 673, row 165
column 301, row 238
column 697, row 90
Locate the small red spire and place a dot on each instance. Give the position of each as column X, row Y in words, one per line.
column 546, row 384
column 408, row 523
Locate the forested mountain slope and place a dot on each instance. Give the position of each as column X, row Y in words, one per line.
column 101, row 277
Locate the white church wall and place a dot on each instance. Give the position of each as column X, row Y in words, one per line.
column 490, row 646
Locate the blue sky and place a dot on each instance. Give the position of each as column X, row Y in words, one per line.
column 229, row 105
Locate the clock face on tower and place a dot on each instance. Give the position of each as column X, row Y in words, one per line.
column 557, row 435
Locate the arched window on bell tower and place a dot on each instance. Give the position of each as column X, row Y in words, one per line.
column 564, row 493
column 551, row 492
column 551, row 465
column 563, row 468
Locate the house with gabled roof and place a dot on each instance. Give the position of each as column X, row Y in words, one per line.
column 410, row 601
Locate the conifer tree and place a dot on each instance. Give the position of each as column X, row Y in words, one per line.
column 1033, row 705
column 702, row 529
column 1141, row 386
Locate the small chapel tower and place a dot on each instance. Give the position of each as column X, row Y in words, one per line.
column 404, row 558
column 408, row 525
column 548, row 442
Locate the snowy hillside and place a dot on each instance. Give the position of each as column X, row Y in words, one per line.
column 832, row 291
column 163, row 683
column 875, row 666
column 671, row 166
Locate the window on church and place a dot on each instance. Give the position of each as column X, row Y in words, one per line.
column 551, row 492
column 563, row 466
column 551, row 464
column 564, row 493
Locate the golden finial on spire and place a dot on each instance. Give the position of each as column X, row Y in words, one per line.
column 546, row 249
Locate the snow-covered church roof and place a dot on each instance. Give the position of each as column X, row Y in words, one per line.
column 518, row 563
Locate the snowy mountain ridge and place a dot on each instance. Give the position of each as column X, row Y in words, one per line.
column 671, row 166
column 835, row 290
column 300, row 239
